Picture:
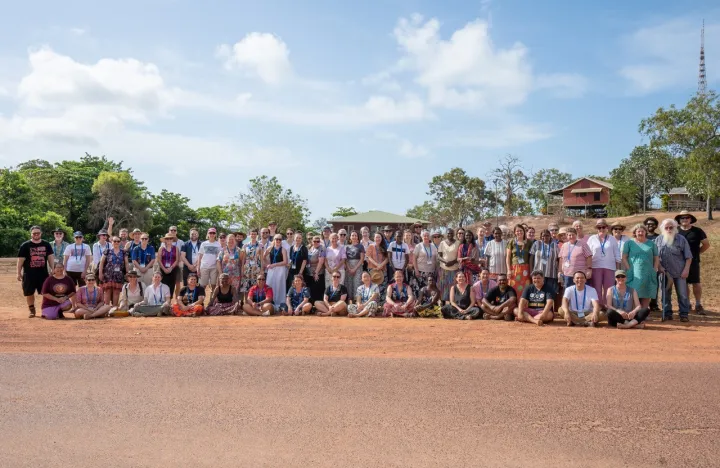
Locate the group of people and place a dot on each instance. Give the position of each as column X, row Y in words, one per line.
column 501, row 274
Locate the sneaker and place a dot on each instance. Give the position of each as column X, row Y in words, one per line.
column 266, row 313
column 700, row 310
column 684, row 319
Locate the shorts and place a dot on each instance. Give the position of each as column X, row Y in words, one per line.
column 208, row 276
column 76, row 276
column 533, row 312
column 33, row 284
column 694, row 275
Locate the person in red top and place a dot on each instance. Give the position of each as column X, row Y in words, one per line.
column 259, row 299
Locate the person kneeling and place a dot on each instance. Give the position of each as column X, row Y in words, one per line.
column 221, row 301
column 624, row 310
column 156, row 301
column 399, row 300
column 462, row 301
column 90, row 303
column 367, row 297
column 586, row 312
column 259, row 299
column 334, row 299
column 537, row 302
column 500, row 302
column 189, row 301
column 297, row 301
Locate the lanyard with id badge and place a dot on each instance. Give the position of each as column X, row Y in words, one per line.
column 519, row 254
column 581, row 311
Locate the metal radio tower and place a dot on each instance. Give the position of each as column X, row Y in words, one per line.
column 702, row 78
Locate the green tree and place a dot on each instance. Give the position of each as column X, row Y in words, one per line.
column 343, row 212
column 265, row 201
column 693, row 134
column 512, row 181
column 170, row 209
column 217, row 216
column 542, row 182
column 425, row 211
column 119, row 195
column 657, row 167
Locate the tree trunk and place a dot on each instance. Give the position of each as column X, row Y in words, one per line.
column 709, row 206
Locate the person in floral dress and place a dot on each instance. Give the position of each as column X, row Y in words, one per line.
column 252, row 254
column 230, row 263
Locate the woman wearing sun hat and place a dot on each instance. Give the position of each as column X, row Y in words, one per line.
column 169, row 256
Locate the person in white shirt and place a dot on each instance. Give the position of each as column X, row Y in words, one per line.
column 617, row 232
column 399, row 253
column 495, row 252
column 77, row 258
column 100, row 247
column 179, row 243
column 207, row 259
column 156, row 301
column 606, row 258
column 580, row 304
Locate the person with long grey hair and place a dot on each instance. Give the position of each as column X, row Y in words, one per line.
column 675, row 259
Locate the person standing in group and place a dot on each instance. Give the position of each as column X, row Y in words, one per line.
column 377, row 258
column 32, row 266
column 606, row 259
column 437, row 239
column 699, row 244
column 651, row 224
column 252, row 263
column 641, row 262
column 177, row 242
column 623, row 306
column 342, row 237
column 581, row 236
column 531, row 234
column 169, row 255
column 675, row 263
column 469, row 258
column 335, row 256
column 575, row 255
column 425, row 260
column 355, row 254
column 399, row 253
column 59, row 244
column 544, row 257
column 411, row 268
column 77, row 259
column 617, row 231
column 315, row 270
column 449, row 265
column 265, row 241
column 207, row 259
column 518, row 261
column 58, row 292
column 222, row 238
column 495, row 252
column 298, row 254
column 98, row 250
column 143, row 258
column 416, row 231
column 554, row 230
column 229, row 262
column 276, row 259
column 123, row 238
column 326, row 231
column 135, row 241
column 113, row 266
column 189, row 254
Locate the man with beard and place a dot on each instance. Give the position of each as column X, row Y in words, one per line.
column 675, row 260
column 651, row 224
column 32, row 266
column 189, row 255
column 699, row 244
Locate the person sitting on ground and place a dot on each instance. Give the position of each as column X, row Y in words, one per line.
column 500, row 302
column 367, row 296
column 58, row 293
column 399, row 300
column 483, row 286
column 89, row 302
column 462, row 300
column 222, row 301
column 132, row 293
column 297, row 301
column 259, row 299
column 574, row 311
column 189, row 302
column 156, row 300
column 334, row 299
column 623, row 305
column 537, row 301
column 428, row 300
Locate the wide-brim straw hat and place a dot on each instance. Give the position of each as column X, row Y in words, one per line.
column 376, row 276
column 693, row 219
column 169, row 236
column 617, row 224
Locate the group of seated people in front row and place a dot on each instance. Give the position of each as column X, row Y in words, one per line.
column 487, row 299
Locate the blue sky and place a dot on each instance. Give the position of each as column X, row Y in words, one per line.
column 347, row 103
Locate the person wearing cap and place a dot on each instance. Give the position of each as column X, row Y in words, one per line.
column 169, row 255
column 143, row 258
column 699, row 244
column 156, row 301
column 675, row 260
column 113, row 266
column 617, row 229
column 623, row 306
column 58, row 245
column 58, row 292
column 89, row 302
column 537, row 301
column 580, row 303
column 388, row 235
column 190, row 301
column 606, row 259
column 259, row 300
column 132, row 293
column 77, row 259
column 641, row 262
column 222, row 238
column 208, row 255
column 135, row 241
column 651, row 224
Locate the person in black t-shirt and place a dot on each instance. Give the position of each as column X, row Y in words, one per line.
column 32, row 266
column 334, row 300
column 500, row 301
column 699, row 243
column 536, row 304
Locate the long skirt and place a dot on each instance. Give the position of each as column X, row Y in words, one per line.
column 446, row 280
column 196, row 310
column 222, row 309
column 352, row 282
column 276, row 280
column 402, row 310
column 519, row 278
column 371, row 309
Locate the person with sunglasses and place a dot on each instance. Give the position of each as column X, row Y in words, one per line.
column 606, row 259
column 259, row 300
column 334, row 301
column 342, row 237
column 33, row 258
column 651, row 224
column 143, row 258
column 699, row 244
column 113, row 266
column 314, row 270
column 623, row 306
column 276, row 261
column 89, row 302
column 98, row 250
column 335, row 257
column 169, row 255
column 617, row 232
column 208, row 255
column 77, row 259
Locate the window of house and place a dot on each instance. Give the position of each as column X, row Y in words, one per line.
column 596, row 196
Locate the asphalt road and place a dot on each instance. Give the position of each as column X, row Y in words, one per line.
column 215, row 411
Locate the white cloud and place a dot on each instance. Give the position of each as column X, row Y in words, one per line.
column 78, row 31
column 666, row 55
column 500, row 135
column 406, row 148
column 263, row 55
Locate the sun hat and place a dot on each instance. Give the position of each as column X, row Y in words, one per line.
column 376, row 276
column 601, row 222
column 168, row 236
column 617, row 224
column 133, row 273
column 620, row 273
column 693, row 219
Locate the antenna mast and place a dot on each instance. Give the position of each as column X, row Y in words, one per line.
column 702, row 78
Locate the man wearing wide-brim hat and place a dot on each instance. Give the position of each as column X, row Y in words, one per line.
column 416, row 231
column 699, row 243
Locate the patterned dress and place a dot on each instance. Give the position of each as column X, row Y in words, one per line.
column 230, row 264
column 114, row 270
column 468, row 267
column 252, row 267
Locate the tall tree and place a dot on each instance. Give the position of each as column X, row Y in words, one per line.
column 544, row 181
column 169, row 208
column 692, row 133
column 265, row 201
column 119, row 195
column 217, row 216
column 342, row 212
column 652, row 168
column 512, row 181
column 426, row 211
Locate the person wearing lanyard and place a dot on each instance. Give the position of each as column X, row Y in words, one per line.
column 518, row 260
column 189, row 254
column 426, row 261
column 623, row 305
column 59, row 245
column 297, row 301
column 229, row 262
column 335, row 299
column 399, row 299
column 156, row 300
column 259, row 300
column 367, row 296
column 114, row 264
column 99, row 248
column 77, row 258
column 574, row 255
column 605, row 259
column 190, row 300
column 298, row 259
column 580, row 303
column 143, row 258
column 277, row 267
column 89, row 301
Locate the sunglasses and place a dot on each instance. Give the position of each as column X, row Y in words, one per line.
column 116, row 242
column 684, row 217
column 602, row 227
column 261, row 279
column 78, row 237
column 316, row 242
column 88, row 280
column 223, row 237
column 336, row 276
column 343, row 235
column 173, row 230
column 553, row 230
column 617, row 229
column 620, row 276
column 144, row 238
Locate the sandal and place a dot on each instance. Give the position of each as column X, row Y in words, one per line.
column 31, row 315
